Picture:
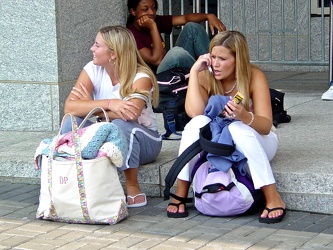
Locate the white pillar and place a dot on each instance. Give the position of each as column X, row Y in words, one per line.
column 328, row 95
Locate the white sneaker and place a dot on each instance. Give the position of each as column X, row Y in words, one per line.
column 328, row 95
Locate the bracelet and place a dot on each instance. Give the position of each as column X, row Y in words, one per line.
column 107, row 105
column 252, row 119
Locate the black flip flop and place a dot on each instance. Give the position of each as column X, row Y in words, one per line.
column 273, row 220
column 177, row 214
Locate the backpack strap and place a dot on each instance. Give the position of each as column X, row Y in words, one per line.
column 178, row 165
column 181, row 199
column 203, row 143
column 214, row 188
column 214, row 147
column 171, row 129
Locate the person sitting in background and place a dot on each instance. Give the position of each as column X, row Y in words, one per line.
column 252, row 130
column 147, row 27
column 118, row 80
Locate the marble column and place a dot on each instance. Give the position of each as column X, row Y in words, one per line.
column 43, row 47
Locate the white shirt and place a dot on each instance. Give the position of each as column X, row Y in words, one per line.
column 103, row 89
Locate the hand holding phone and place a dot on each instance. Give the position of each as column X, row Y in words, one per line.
column 237, row 98
column 211, row 70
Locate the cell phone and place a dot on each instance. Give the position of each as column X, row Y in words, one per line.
column 211, row 70
column 237, row 98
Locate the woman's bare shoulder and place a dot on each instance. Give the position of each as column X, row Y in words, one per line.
column 257, row 71
column 257, row 75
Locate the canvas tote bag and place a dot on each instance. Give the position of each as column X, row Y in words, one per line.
column 80, row 191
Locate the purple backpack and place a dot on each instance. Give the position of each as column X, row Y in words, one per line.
column 216, row 193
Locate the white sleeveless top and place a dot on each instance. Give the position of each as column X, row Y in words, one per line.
column 103, row 89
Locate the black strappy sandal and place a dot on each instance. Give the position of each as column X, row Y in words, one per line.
column 183, row 201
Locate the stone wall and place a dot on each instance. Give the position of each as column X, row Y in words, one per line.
column 44, row 45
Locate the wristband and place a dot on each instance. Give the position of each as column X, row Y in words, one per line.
column 107, row 105
column 252, row 119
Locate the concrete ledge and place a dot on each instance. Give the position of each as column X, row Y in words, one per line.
column 301, row 167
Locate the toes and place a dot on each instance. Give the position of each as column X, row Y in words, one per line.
column 264, row 214
column 172, row 208
column 271, row 214
column 176, row 208
column 275, row 214
column 181, row 208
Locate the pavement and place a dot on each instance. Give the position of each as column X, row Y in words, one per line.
column 150, row 228
column 301, row 168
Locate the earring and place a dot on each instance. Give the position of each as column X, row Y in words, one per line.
column 110, row 60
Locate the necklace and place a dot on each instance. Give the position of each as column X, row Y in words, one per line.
column 233, row 87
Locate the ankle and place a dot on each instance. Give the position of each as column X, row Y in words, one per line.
column 182, row 188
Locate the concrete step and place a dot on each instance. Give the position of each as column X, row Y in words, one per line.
column 301, row 167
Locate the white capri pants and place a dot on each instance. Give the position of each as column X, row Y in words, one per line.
column 258, row 149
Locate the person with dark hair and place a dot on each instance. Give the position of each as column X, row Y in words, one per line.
column 251, row 130
column 147, row 27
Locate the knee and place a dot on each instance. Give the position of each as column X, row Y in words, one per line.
column 194, row 29
column 192, row 26
column 239, row 129
column 234, row 128
column 177, row 57
column 118, row 122
column 176, row 53
column 197, row 122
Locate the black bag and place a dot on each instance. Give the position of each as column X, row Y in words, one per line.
column 279, row 114
column 172, row 88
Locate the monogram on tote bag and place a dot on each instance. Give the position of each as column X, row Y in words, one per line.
column 78, row 190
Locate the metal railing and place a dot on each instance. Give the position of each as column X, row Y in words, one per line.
column 287, row 34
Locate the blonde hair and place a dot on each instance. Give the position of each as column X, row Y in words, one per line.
column 236, row 43
column 128, row 61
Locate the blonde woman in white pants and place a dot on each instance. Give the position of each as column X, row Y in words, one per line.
column 258, row 149
column 252, row 130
